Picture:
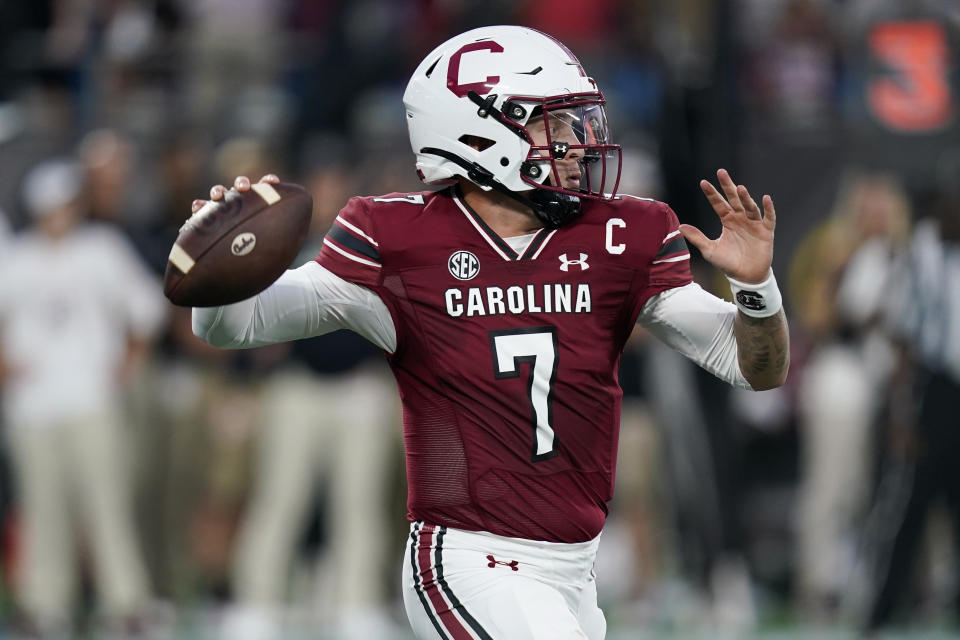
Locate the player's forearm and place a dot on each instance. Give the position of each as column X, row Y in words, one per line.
column 220, row 326
column 304, row 302
column 281, row 312
column 763, row 349
column 699, row 325
column 286, row 310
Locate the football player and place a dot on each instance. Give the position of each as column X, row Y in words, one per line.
column 503, row 300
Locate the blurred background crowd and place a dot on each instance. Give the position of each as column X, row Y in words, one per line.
column 151, row 486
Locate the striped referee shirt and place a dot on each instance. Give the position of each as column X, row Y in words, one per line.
column 925, row 300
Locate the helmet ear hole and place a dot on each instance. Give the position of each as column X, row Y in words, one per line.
column 477, row 142
column 504, row 161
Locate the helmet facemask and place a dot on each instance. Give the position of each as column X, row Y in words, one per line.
column 570, row 150
column 570, row 155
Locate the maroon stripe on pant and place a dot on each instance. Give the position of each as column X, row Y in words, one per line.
column 448, row 619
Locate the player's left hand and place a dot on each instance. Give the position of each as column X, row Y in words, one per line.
column 744, row 250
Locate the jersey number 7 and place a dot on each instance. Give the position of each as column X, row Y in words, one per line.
column 536, row 346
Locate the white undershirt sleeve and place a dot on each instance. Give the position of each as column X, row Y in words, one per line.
column 700, row 326
column 304, row 302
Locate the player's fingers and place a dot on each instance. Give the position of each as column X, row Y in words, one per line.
column 729, row 189
column 749, row 205
column 716, row 200
column 197, row 205
column 217, row 192
column 241, row 183
column 271, row 178
column 769, row 213
column 696, row 237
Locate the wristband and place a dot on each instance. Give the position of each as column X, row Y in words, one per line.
column 760, row 300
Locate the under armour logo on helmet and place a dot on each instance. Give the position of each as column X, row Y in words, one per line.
column 582, row 262
column 513, row 564
column 560, row 149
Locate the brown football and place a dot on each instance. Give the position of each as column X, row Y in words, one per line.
column 235, row 248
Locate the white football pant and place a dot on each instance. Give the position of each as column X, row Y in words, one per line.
column 466, row 585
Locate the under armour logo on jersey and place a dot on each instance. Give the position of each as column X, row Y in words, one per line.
column 582, row 262
column 513, row 564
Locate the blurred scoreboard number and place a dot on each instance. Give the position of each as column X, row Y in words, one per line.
column 910, row 91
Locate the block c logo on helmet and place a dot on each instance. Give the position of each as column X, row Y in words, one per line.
column 453, row 70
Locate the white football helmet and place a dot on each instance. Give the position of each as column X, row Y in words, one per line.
column 469, row 104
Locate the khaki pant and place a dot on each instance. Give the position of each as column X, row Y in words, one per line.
column 836, row 410
column 345, row 429
column 68, row 473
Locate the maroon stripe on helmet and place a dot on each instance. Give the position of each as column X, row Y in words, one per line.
column 448, row 619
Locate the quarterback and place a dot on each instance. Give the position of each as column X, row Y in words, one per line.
column 503, row 298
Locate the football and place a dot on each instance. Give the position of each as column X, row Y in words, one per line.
column 235, row 248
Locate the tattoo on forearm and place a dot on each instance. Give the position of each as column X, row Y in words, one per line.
column 763, row 348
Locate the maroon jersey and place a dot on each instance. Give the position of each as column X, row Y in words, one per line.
column 507, row 364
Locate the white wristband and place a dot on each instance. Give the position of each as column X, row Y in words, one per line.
column 760, row 300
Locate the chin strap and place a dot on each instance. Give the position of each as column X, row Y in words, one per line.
column 554, row 209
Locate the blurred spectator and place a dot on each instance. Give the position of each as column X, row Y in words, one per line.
column 108, row 160
column 235, row 51
column 328, row 415
column 841, row 275
column 171, row 401
column 214, row 425
column 797, row 68
column 926, row 319
column 77, row 312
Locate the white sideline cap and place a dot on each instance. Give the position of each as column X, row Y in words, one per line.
column 51, row 184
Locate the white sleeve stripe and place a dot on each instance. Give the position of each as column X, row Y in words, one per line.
column 357, row 230
column 672, row 234
column 680, row 258
column 327, row 242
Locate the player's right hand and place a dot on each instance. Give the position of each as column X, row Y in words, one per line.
column 241, row 183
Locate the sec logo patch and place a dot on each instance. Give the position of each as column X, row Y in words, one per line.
column 463, row 265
